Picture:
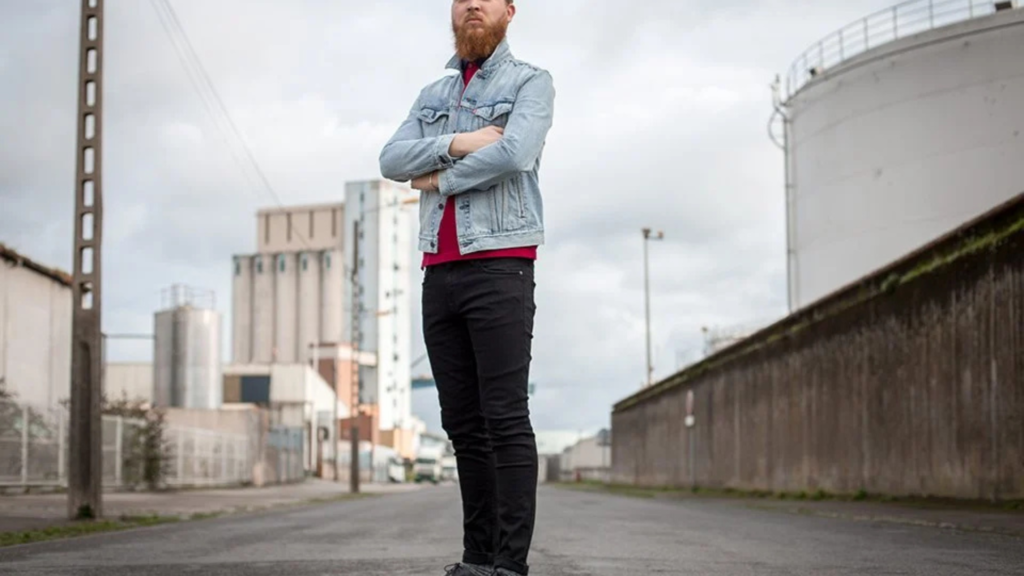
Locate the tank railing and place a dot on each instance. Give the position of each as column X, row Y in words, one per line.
column 880, row 28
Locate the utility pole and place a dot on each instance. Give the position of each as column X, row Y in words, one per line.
column 648, row 236
column 355, row 331
column 85, row 477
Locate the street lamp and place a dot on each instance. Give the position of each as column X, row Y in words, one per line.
column 648, row 236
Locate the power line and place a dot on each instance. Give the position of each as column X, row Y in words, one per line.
column 212, row 100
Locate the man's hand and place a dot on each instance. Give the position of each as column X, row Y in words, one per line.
column 428, row 182
column 469, row 142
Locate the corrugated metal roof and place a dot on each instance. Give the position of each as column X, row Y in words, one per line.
column 55, row 274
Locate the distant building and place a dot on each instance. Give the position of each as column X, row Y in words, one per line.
column 132, row 381
column 385, row 252
column 288, row 296
column 35, row 331
column 295, row 396
column 292, row 302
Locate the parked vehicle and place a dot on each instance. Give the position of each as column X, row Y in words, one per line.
column 427, row 469
column 449, row 469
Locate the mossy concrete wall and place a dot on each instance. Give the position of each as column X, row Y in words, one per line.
column 908, row 382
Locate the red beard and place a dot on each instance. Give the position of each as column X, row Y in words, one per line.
column 474, row 43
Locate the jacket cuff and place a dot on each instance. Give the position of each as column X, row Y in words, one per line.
column 446, row 183
column 444, row 143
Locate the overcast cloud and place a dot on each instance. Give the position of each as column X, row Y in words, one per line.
column 660, row 121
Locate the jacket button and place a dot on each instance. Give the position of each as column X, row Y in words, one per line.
column 440, row 206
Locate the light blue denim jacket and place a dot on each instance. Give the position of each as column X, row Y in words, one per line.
column 496, row 188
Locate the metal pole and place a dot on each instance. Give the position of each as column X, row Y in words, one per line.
column 647, row 306
column 648, row 236
column 119, row 451
column 693, row 474
column 24, row 445
column 86, row 454
column 355, row 331
column 61, row 444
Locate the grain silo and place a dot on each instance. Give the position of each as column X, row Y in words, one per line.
column 187, row 350
column 898, row 128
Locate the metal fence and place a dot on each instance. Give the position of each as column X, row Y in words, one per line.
column 882, row 27
column 33, row 452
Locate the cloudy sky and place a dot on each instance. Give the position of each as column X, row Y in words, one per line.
column 660, row 121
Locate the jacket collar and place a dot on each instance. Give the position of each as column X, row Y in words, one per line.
column 501, row 53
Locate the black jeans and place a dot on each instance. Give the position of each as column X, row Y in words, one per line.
column 478, row 327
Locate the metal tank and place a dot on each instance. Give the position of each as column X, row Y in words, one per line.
column 897, row 129
column 286, row 323
column 187, row 351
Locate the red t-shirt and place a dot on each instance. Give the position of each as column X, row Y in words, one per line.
column 447, row 235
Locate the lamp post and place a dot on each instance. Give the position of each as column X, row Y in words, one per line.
column 648, row 236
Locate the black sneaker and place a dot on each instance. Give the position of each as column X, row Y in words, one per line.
column 463, row 570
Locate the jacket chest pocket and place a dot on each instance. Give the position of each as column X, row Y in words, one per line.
column 491, row 115
column 434, row 121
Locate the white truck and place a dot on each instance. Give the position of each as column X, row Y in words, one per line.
column 428, row 466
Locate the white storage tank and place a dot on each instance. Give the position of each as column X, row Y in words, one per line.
column 286, row 322
column 241, row 309
column 900, row 127
column 187, row 351
column 332, row 264
column 309, row 303
column 263, row 310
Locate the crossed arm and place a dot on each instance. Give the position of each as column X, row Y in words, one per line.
column 457, row 163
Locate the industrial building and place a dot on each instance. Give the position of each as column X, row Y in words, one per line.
column 898, row 128
column 288, row 297
column 292, row 302
column 35, row 331
column 296, row 397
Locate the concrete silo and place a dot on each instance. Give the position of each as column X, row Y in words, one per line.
column 187, row 351
column 899, row 128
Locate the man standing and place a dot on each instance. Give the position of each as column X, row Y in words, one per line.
column 472, row 145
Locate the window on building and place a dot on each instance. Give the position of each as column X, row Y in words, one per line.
column 305, row 263
column 312, row 225
column 266, row 229
column 289, row 218
column 259, row 266
column 280, row 263
column 327, row 261
column 334, row 223
column 238, row 268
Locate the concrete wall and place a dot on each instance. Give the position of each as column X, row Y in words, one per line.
column 901, row 144
column 35, row 331
column 133, row 381
column 908, row 383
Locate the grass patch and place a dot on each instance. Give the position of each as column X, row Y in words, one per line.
column 816, row 496
column 79, row 529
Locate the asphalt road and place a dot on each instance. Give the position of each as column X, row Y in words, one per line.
column 579, row 534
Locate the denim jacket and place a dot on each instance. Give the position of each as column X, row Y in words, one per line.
column 496, row 188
